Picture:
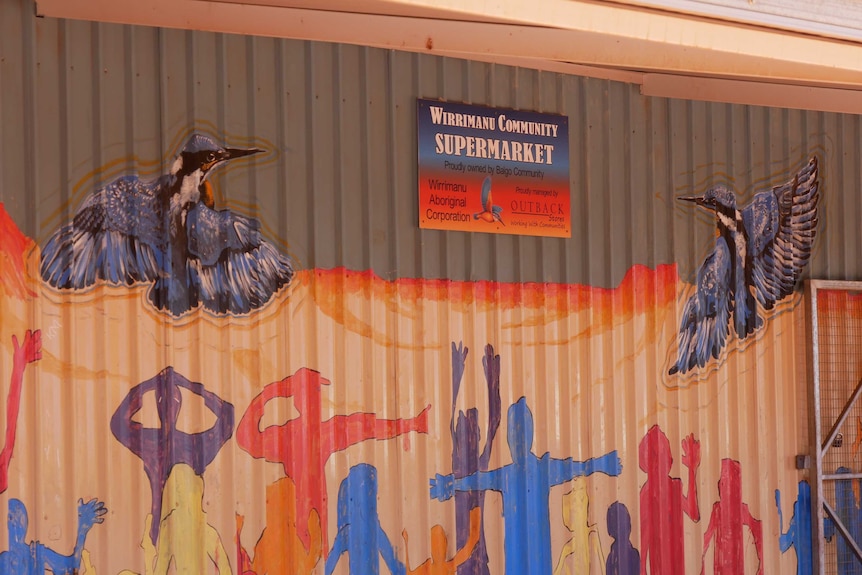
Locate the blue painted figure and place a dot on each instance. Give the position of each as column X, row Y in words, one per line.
column 798, row 533
column 848, row 512
column 33, row 558
column 526, row 486
column 359, row 532
column 623, row 558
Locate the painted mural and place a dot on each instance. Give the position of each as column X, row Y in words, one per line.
column 552, row 512
column 242, row 443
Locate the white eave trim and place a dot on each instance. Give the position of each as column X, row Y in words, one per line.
column 604, row 40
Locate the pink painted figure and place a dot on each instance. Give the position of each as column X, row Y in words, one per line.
column 29, row 352
column 662, row 503
column 729, row 514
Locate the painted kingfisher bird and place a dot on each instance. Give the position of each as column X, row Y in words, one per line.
column 760, row 253
column 166, row 232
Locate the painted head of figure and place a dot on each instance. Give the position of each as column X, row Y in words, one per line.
column 520, row 430
column 17, row 522
column 730, row 482
column 439, row 544
column 467, row 427
column 357, row 493
column 654, row 455
column 576, row 505
column 168, row 398
column 619, row 521
column 184, row 492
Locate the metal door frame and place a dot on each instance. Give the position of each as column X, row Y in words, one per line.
column 820, row 445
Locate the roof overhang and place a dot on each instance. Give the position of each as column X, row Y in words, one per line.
column 698, row 55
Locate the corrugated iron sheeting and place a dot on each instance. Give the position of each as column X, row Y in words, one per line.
column 585, row 327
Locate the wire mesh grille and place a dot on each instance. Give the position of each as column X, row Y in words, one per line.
column 839, row 353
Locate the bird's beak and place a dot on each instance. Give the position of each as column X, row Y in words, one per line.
column 233, row 153
column 694, row 199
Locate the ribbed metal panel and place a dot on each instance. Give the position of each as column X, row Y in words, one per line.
column 585, row 327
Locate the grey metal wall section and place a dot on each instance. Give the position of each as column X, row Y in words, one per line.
column 339, row 123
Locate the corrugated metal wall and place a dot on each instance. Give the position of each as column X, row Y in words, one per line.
column 586, row 327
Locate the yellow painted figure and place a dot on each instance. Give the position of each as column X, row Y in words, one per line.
column 437, row 564
column 185, row 537
column 585, row 537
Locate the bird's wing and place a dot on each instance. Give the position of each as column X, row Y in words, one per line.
column 486, row 194
column 117, row 235
column 232, row 268
column 706, row 316
column 781, row 226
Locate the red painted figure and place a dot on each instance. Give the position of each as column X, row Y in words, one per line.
column 29, row 352
column 304, row 444
column 662, row 503
column 729, row 514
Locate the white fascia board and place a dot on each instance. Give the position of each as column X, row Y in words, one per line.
column 603, row 35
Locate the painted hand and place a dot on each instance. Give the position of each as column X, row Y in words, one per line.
column 459, row 359
column 442, row 487
column 691, row 452
column 90, row 513
column 31, row 350
column 609, row 464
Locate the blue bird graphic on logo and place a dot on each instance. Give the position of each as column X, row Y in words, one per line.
column 166, row 232
column 490, row 213
column 760, row 252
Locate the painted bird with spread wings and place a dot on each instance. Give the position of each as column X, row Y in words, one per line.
column 167, row 233
column 760, row 252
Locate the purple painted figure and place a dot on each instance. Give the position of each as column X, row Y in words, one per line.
column 623, row 558
column 162, row 448
column 466, row 459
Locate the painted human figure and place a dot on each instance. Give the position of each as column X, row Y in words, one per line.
column 466, row 458
column 243, row 559
column 798, row 534
column 662, row 503
column 34, row 558
column 360, row 534
column 187, row 541
column 847, row 508
column 279, row 551
column 585, row 540
column 623, row 558
column 728, row 516
column 28, row 352
column 304, row 444
column 437, row 564
column 162, row 448
column 525, row 485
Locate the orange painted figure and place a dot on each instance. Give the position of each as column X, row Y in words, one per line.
column 490, row 213
column 437, row 564
column 279, row 551
column 585, row 536
column 304, row 444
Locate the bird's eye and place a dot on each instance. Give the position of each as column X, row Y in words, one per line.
column 211, row 157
